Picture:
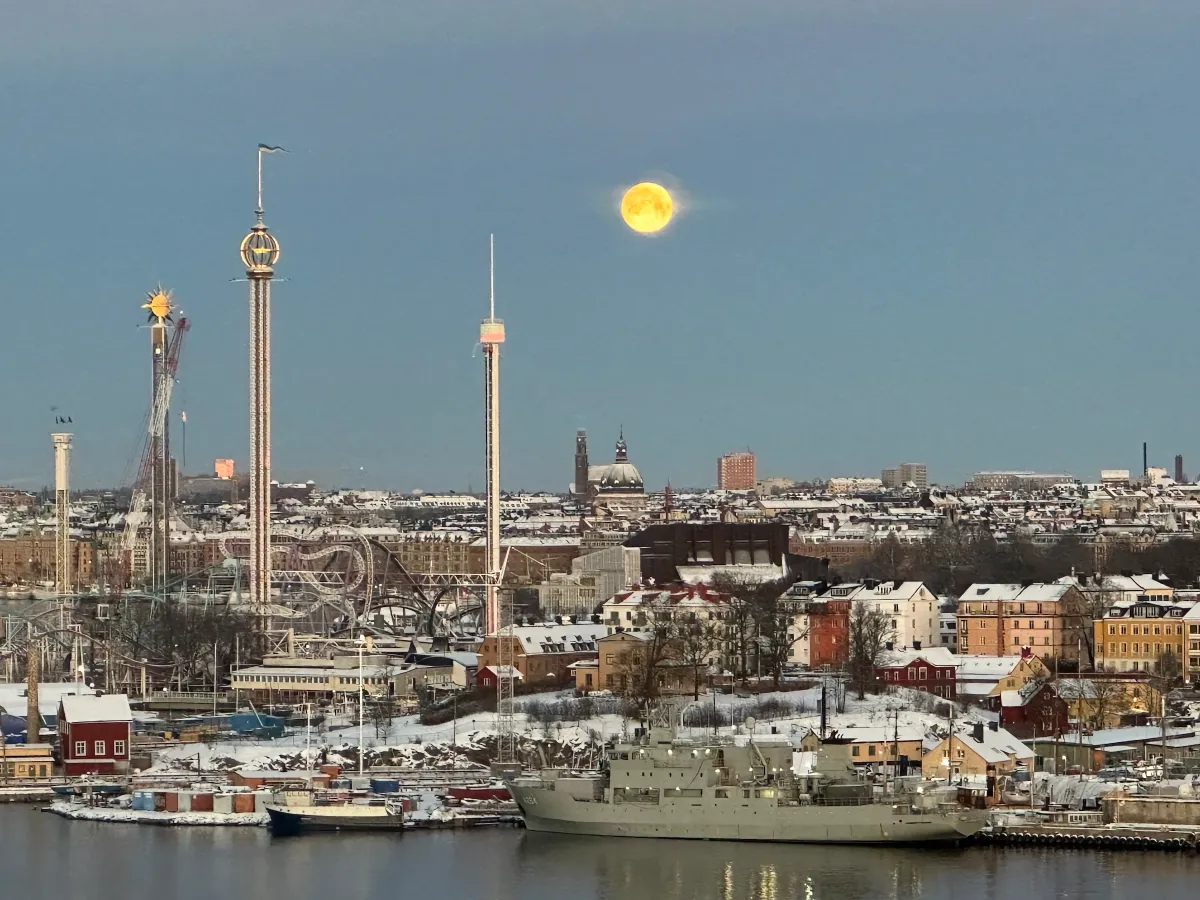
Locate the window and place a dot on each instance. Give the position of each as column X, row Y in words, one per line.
column 854, row 750
column 871, row 750
column 119, row 746
column 80, row 749
column 1112, row 629
column 99, row 748
column 924, row 674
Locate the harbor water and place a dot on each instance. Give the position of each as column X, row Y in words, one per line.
column 43, row 855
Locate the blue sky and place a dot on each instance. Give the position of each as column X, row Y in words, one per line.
column 961, row 232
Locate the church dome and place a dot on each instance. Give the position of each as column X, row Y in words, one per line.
column 622, row 475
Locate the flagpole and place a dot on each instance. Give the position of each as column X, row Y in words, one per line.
column 259, row 208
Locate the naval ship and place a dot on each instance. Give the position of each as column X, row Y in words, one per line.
column 738, row 789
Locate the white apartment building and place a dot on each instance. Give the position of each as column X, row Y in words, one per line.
column 913, row 608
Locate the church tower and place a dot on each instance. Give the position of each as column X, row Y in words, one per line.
column 581, row 464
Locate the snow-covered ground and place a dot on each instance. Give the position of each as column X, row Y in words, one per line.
column 464, row 744
column 69, row 810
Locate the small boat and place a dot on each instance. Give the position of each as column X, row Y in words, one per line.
column 289, row 820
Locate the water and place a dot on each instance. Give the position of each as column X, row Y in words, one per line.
column 43, row 855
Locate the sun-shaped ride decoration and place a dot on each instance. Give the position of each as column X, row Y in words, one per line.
column 158, row 303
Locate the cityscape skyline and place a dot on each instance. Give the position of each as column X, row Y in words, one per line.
column 887, row 222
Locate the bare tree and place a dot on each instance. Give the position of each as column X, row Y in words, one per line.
column 696, row 643
column 1082, row 612
column 642, row 665
column 1108, row 701
column 775, row 627
column 870, row 630
column 739, row 621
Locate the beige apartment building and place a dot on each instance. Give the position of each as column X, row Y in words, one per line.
column 1006, row 619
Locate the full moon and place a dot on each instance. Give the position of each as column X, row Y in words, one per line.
column 647, row 207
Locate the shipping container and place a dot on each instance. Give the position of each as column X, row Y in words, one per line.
column 261, row 799
column 171, row 801
column 184, row 801
column 243, row 803
column 202, row 801
column 142, row 800
column 223, row 803
column 385, row 785
column 160, row 801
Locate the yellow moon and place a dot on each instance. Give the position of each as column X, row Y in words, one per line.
column 647, row 207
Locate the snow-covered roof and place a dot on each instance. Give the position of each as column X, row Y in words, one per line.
column 997, row 745
column 880, row 734
column 751, row 572
column 935, row 656
column 987, row 668
column 554, row 638
column 109, row 708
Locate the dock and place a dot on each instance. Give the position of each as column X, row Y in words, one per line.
column 1109, row 837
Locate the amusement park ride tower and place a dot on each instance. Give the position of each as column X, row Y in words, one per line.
column 497, row 605
column 260, row 252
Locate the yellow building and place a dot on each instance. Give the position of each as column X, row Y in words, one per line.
column 977, row 749
column 26, row 761
column 1007, row 619
column 1133, row 635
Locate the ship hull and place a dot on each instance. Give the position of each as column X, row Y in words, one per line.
column 286, row 822
column 721, row 821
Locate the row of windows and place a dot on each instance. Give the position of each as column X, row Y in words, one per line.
column 98, row 749
column 1145, row 629
column 1143, row 648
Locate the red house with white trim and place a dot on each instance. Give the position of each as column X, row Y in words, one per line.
column 934, row 671
column 94, row 734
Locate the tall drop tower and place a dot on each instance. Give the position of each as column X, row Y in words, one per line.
column 62, row 498
column 498, row 608
column 491, row 336
column 161, row 488
column 260, row 252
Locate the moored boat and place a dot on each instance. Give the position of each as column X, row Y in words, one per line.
column 289, row 820
column 739, row 790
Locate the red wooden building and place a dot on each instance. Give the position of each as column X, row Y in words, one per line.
column 94, row 734
column 934, row 671
column 1037, row 710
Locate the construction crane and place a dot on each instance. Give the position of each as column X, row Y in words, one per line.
column 151, row 528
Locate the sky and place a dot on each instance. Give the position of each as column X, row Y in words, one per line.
column 959, row 232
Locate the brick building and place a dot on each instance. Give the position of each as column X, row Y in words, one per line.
column 543, row 653
column 31, row 558
column 736, row 472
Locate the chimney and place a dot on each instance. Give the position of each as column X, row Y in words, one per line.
column 916, row 645
column 994, row 726
column 977, row 732
column 33, row 716
column 888, row 646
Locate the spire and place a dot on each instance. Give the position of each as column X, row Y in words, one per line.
column 622, row 447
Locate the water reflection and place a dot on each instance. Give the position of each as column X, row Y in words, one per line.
column 631, row 869
column 43, row 855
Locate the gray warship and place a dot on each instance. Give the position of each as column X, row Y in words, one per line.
column 738, row 789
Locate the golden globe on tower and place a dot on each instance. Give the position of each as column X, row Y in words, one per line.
column 260, row 250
